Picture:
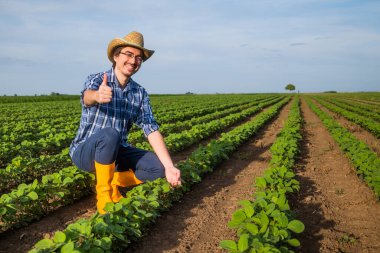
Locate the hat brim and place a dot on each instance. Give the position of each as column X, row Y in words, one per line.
column 119, row 42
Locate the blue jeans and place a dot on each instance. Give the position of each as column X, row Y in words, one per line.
column 104, row 147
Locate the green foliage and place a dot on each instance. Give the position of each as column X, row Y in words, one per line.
column 366, row 162
column 266, row 224
column 126, row 220
column 290, row 87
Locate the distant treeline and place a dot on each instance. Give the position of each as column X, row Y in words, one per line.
column 37, row 98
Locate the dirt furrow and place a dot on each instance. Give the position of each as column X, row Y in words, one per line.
column 359, row 132
column 341, row 214
column 199, row 221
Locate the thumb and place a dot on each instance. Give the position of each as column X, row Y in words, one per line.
column 104, row 83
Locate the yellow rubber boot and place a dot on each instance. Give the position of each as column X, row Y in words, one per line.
column 123, row 179
column 104, row 175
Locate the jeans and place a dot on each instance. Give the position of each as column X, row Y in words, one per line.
column 104, row 147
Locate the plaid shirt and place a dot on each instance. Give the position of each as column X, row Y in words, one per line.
column 131, row 105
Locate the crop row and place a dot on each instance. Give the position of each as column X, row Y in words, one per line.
column 353, row 107
column 177, row 103
column 53, row 143
column 126, row 220
column 181, row 115
column 209, row 119
column 179, row 141
column 362, row 104
column 266, row 224
column 10, row 202
column 25, row 169
column 370, row 125
column 366, row 161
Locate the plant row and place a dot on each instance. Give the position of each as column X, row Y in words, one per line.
column 51, row 137
column 366, row 161
column 11, row 201
column 353, row 107
column 179, row 141
column 180, row 115
column 365, row 105
column 266, row 223
column 30, row 202
column 179, row 126
column 370, row 125
column 126, row 220
column 25, row 169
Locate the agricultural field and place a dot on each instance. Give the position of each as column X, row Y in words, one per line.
column 261, row 173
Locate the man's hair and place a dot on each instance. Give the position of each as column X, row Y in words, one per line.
column 116, row 52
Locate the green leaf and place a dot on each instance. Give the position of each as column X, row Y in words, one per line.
column 33, row 195
column 264, row 222
column 296, row 226
column 237, row 218
column 294, row 242
column 59, row 237
column 260, row 182
column 68, row 248
column 228, row 244
column 67, row 180
column 96, row 250
column 44, row 244
column 249, row 211
column 243, row 242
column 252, row 228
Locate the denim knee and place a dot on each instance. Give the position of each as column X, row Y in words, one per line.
column 107, row 145
column 149, row 168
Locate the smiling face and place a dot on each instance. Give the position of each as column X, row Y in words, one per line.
column 127, row 61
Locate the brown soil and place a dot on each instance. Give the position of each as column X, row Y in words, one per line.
column 199, row 221
column 341, row 214
column 359, row 132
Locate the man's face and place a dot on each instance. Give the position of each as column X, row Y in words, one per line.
column 129, row 60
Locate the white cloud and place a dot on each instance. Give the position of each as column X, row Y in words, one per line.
column 212, row 43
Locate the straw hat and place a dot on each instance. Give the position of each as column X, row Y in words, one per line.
column 133, row 39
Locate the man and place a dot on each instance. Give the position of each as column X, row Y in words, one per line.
column 111, row 102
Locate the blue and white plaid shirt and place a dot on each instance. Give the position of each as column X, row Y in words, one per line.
column 128, row 105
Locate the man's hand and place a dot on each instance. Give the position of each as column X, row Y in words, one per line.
column 104, row 93
column 173, row 175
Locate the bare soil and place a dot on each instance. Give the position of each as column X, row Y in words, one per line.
column 359, row 132
column 341, row 214
column 199, row 221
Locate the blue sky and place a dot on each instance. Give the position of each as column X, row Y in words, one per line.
column 240, row 46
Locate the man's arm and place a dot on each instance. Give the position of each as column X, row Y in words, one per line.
column 100, row 96
column 173, row 175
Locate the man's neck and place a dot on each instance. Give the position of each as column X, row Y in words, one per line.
column 123, row 79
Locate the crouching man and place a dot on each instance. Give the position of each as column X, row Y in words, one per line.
column 111, row 103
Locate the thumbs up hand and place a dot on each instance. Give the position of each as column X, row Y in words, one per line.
column 104, row 94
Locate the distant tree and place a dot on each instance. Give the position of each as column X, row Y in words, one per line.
column 290, row 87
column 189, row 93
column 15, row 95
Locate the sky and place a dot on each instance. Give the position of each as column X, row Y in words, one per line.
column 214, row 46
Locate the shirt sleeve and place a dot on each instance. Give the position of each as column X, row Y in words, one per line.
column 146, row 120
column 92, row 83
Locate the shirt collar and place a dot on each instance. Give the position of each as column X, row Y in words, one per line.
column 111, row 77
